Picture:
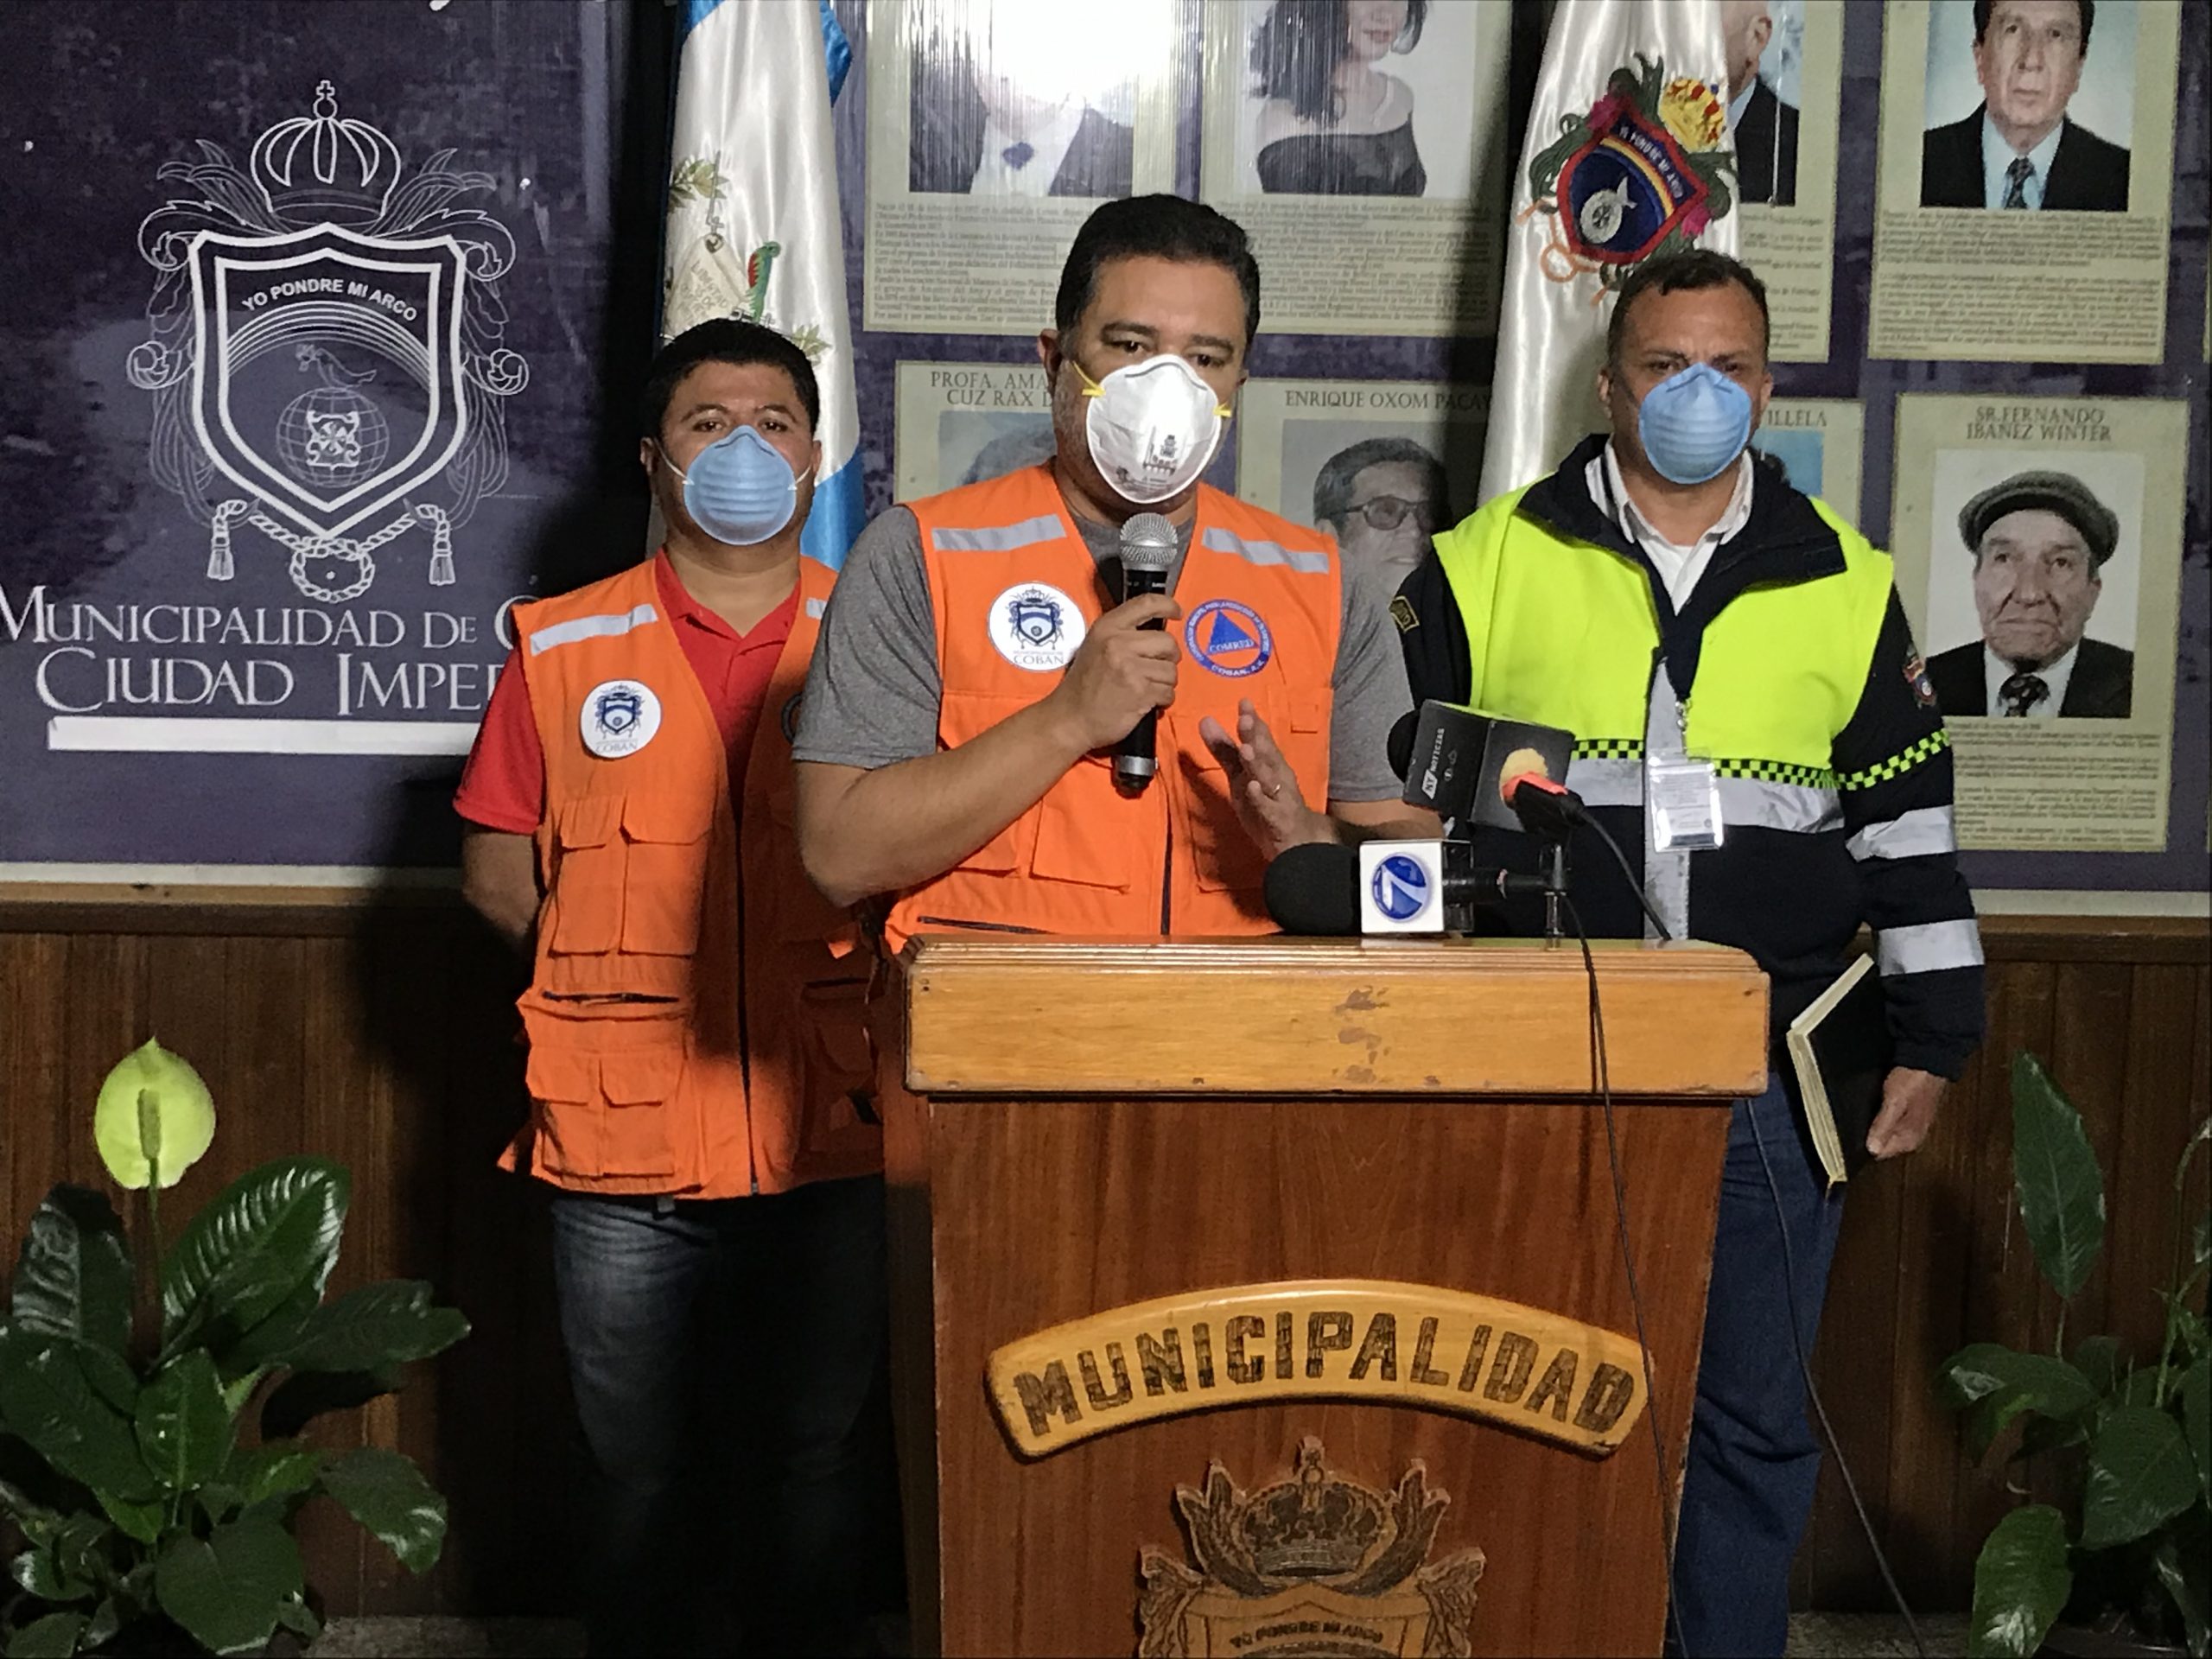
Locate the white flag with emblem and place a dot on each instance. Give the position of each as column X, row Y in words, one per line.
column 753, row 226
column 1628, row 156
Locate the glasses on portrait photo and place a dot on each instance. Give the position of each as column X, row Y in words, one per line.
column 1389, row 512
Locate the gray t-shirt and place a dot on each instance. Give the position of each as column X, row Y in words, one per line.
column 872, row 692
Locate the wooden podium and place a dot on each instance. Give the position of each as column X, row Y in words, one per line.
column 1268, row 1297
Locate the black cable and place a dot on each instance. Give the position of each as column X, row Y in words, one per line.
column 1805, row 1368
column 1628, row 873
column 1604, row 1079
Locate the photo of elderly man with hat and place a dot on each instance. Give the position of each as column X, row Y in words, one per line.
column 2039, row 540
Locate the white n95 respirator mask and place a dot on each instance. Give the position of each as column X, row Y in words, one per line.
column 1152, row 427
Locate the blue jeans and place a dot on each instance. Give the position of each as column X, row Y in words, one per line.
column 1753, row 1456
column 728, row 1362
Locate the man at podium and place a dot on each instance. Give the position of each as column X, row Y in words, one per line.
column 1752, row 717
column 965, row 744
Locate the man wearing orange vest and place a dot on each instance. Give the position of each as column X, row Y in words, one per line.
column 979, row 666
column 698, row 1074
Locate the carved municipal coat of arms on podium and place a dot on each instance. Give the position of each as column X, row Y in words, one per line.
column 1312, row 1565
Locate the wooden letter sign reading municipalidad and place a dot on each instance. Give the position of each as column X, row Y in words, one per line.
column 1320, row 1339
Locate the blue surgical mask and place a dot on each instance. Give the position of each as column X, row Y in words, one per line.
column 1694, row 423
column 739, row 489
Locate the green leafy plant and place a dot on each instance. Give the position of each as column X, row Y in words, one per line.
column 2131, row 1440
column 151, row 1450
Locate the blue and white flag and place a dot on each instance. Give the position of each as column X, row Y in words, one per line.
column 1628, row 156
column 753, row 229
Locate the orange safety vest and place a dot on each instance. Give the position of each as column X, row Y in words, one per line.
column 1013, row 587
column 693, row 1018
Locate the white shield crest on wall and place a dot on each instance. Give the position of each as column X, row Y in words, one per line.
column 326, row 373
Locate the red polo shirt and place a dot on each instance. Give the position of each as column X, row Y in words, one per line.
column 503, row 786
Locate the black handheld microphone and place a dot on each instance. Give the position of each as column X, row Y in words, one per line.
column 1148, row 554
column 1314, row 889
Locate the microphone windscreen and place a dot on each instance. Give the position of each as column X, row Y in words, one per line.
column 1148, row 542
column 1314, row 889
column 1517, row 765
column 1402, row 744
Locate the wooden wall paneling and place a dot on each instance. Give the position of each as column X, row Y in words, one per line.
column 34, row 1088
column 2138, row 1183
column 1855, row 1356
column 407, row 986
column 337, row 1118
column 506, row 1435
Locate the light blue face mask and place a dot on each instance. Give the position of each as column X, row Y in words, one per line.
column 1694, row 423
column 739, row 489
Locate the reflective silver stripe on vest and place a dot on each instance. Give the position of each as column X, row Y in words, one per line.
column 1909, row 834
column 815, row 608
column 1223, row 541
column 1665, row 875
column 591, row 627
column 998, row 538
column 1927, row 947
column 1607, row 780
column 1754, row 803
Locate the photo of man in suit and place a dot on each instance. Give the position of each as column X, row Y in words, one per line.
column 2020, row 150
column 2039, row 540
column 973, row 130
column 1763, row 124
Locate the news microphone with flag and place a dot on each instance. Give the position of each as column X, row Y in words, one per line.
column 1454, row 758
column 1148, row 554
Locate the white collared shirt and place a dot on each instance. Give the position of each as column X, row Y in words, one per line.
column 1741, row 102
column 1995, row 670
column 1997, row 156
column 1679, row 567
column 1048, row 143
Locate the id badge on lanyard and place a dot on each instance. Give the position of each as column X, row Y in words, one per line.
column 1682, row 798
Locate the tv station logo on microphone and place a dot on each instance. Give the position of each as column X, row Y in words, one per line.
column 1400, row 887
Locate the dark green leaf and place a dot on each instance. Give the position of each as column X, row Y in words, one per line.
column 184, row 1430
column 299, row 1618
column 2184, row 1572
column 2055, row 1173
column 2021, row 1581
column 110, row 1376
column 217, row 1501
column 73, row 1279
column 376, row 1326
column 2140, row 1475
column 227, row 1590
column 2140, row 1387
column 305, row 1395
column 46, row 1399
column 2098, row 1359
column 107, row 1619
column 1994, row 1384
column 386, row 1493
column 259, row 1347
column 2196, row 1420
column 39, row 1572
column 2044, row 1434
column 276, row 1469
column 139, row 1521
column 244, row 1256
column 2188, row 1330
column 54, row 1636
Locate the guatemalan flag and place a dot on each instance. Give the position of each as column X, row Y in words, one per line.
column 752, row 219
column 1629, row 156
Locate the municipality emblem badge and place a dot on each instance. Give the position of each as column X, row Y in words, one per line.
column 620, row 718
column 1036, row 627
column 1310, row 1564
column 1643, row 173
column 324, row 348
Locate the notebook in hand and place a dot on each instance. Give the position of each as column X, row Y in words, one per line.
column 1842, row 1050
